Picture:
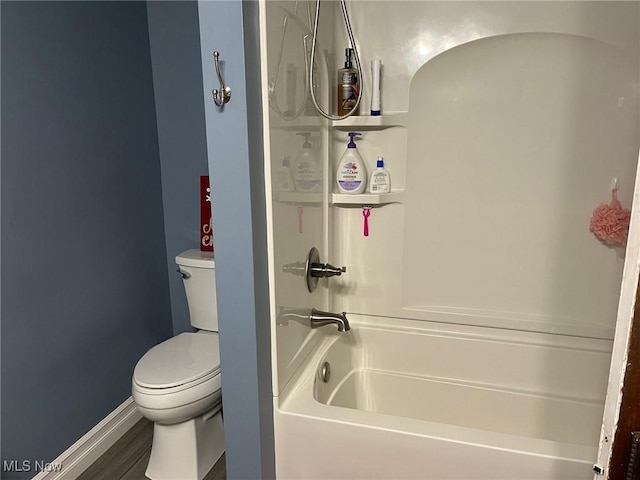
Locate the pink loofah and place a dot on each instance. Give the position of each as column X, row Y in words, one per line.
column 610, row 223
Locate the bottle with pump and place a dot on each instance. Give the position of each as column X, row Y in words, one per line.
column 351, row 175
column 284, row 177
column 307, row 173
column 380, row 181
column 348, row 86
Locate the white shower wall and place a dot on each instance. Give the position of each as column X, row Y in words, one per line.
column 565, row 282
column 387, row 273
column 299, row 220
column 407, row 34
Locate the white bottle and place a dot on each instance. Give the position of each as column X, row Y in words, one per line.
column 284, row 177
column 375, row 89
column 380, row 181
column 307, row 173
column 351, row 175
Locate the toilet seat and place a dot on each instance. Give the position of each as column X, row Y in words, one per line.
column 184, row 360
column 178, row 378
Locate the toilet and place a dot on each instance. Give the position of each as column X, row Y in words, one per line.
column 177, row 385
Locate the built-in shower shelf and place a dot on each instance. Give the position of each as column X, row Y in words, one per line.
column 301, row 123
column 362, row 122
column 298, row 198
column 367, row 199
column 367, row 122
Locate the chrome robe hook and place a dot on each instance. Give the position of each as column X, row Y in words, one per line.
column 222, row 96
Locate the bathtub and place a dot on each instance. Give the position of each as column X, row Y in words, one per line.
column 420, row 400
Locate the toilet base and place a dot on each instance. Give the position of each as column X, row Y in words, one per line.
column 186, row 450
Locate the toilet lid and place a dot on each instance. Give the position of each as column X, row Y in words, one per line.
column 185, row 358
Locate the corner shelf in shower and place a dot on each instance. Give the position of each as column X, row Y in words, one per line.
column 302, row 123
column 366, row 122
column 367, row 199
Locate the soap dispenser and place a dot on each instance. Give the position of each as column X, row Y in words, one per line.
column 351, row 175
column 307, row 174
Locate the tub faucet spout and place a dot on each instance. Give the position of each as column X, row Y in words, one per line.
column 319, row 318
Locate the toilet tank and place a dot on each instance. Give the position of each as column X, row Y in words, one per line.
column 199, row 279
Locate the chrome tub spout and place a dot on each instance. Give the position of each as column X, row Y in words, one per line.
column 319, row 318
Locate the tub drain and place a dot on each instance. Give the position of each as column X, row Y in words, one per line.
column 325, row 372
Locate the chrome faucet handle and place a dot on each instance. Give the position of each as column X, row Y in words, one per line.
column 325, row 270
column 315, row 270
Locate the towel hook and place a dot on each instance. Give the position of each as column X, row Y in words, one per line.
column 222, row 96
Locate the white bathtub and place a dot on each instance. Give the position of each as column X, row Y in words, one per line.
column 428, row 401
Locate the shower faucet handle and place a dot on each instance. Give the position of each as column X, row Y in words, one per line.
column 315, row 270
column 325, row 270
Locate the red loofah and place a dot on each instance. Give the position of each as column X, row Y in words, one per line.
column 610, row 223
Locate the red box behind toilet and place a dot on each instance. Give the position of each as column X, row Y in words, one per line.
column 206, row 228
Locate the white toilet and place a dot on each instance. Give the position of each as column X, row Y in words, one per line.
column 176, row 384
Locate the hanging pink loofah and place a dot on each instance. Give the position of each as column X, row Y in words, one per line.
column 610, row 223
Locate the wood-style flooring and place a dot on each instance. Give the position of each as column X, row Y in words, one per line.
column 127, row 459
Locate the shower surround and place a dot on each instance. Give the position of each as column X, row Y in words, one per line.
column 503, row 125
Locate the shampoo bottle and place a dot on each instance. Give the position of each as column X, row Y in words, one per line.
column 348, row 86
column 306, row 170
column 351, row 175
column 380, row 181
column 284, row 177
column 375, row 88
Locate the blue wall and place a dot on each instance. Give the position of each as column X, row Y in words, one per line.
column 235, row 150
column 177, row 79
column 84, row 272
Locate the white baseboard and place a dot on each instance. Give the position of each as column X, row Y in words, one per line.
column 79, row 456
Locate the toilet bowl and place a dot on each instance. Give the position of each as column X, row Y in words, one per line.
column 178, row 379
column 177, row 384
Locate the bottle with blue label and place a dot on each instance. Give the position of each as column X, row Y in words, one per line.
column 380, row 181
column 307, row 173
column 351, row 175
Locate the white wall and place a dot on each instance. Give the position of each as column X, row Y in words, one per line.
column 519, row 115
column 433, row 257
column 544, row 286
column 299, row 221
column 407, row 34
